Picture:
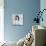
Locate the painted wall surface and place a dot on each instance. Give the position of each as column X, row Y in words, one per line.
column 28, row 8
column 1, row 20
column 43, row 6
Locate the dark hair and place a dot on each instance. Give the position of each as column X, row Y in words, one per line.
column 17, row 17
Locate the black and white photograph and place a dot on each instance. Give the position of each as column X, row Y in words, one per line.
column 17, row 19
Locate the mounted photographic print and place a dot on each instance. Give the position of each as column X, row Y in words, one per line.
column 17, row 19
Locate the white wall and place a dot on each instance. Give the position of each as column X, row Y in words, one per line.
column 1, row 20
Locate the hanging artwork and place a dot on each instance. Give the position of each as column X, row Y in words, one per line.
column 17, row 19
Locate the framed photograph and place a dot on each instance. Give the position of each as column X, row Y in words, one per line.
column 17, row 19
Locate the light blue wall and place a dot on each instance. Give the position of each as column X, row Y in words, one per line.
column 43, row 6
column 28, row 8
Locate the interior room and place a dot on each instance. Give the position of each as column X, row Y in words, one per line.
column 22, row 22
